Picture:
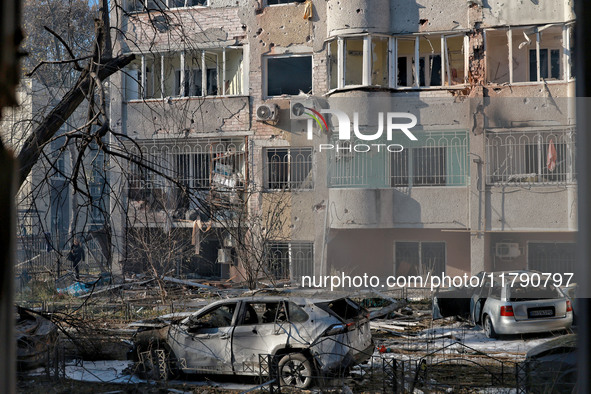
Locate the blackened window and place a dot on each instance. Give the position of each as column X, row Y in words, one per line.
column 289, row 75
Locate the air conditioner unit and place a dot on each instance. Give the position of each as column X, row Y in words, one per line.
column 228, row 240
column 297, row 108
column 267, row 112
column 507, row 250
column 224, row 256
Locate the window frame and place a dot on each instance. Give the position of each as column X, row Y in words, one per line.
column 287, row 183
column 165, row 4
column 393, row 60
column 566, row 66
column 284, row 56
column 420, row 254
column 147, row 85
column 306, row 247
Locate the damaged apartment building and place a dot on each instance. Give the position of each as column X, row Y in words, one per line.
column 224, row 98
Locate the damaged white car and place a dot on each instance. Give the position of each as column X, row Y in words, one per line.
column 304, row 338
column 508, row 302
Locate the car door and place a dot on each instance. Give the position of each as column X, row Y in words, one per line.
column 259, row 331
column 202, row 343
column 452, row 302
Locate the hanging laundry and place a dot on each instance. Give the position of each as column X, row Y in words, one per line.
column 551, row 156
column 196, row 235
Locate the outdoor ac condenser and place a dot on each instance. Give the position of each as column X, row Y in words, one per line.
column 507, row 250
column 224, row 256
column 267, row 112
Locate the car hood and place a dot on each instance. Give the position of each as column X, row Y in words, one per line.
column 161, row 321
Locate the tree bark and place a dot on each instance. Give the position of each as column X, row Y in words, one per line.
column 43, row 133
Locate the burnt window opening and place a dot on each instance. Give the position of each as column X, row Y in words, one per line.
column 289, row 75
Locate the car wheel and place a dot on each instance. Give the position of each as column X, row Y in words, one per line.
column 489, row 329
column 295, row 370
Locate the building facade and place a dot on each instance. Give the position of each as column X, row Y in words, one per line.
column 223, row 100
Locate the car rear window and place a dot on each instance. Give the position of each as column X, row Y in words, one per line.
column 519, row 293
column 343, row 308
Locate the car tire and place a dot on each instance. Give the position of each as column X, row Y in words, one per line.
column 489, row 329
column 295, row 370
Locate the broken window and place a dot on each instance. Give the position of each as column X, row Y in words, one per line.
column 419, row 258
column 353, row 61
column 289, row 168
column 432, row 68
column 530, row 157
column 181, row 74
column 290, row 75
column 290, row 260
column 379, row 61
column 220, row 316
column 263, row 313
column 333, row 64
column 421, row 61
column 135, row 5
column 529, row 54
column 201, row 166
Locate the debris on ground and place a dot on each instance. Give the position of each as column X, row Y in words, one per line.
column 35, row 337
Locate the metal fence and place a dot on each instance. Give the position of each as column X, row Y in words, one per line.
column 454, row 368
column 290, row 260
column 526, row 157
column 289, row 168
column 46, row 255
column 436, row 159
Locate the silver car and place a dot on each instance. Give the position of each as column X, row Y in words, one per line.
column 508, row 306
column 304, row 338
